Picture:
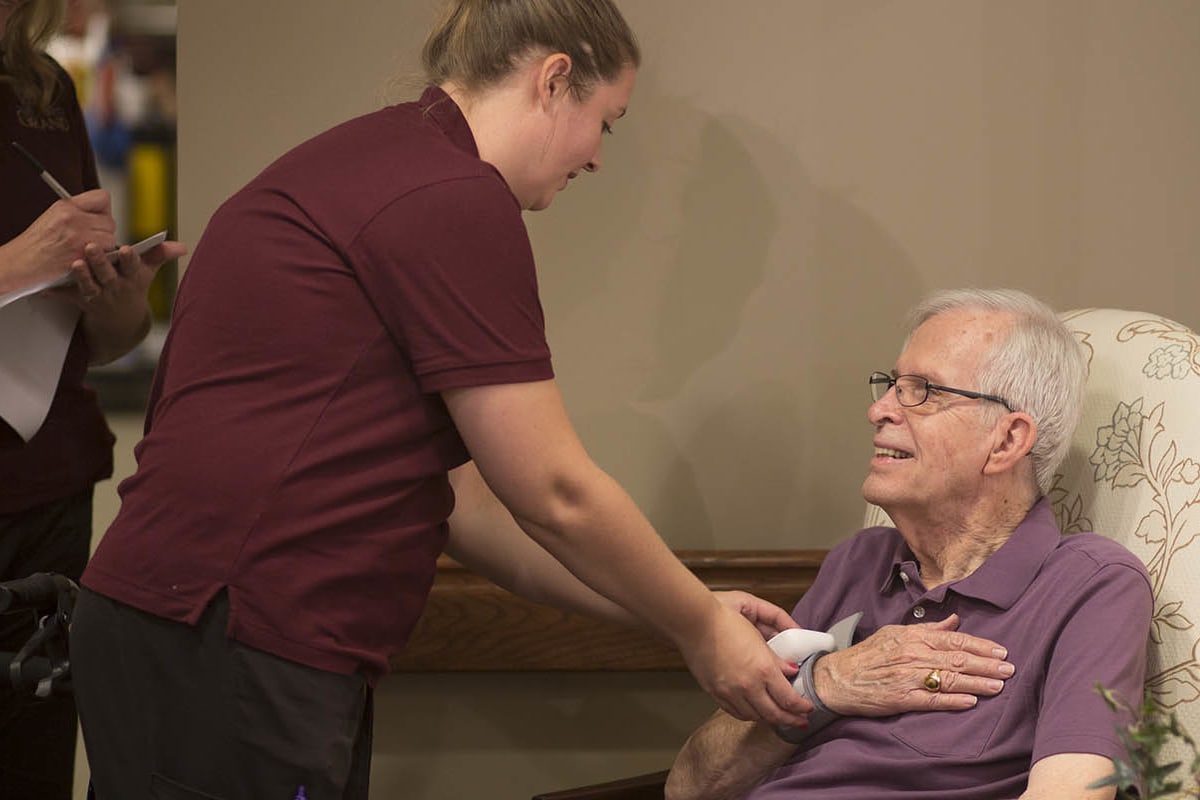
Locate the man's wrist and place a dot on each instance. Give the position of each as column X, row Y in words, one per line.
column 805, row 684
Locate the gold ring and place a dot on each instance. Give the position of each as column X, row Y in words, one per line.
column 933, row 681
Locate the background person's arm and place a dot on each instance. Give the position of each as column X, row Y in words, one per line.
column 530, row 456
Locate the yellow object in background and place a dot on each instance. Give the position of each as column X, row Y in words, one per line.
column 150, row 197
column 151, row 200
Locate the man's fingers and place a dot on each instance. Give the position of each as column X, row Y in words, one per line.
column 951, row 640
column 963, row 683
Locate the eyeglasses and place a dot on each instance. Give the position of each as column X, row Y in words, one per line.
column 913, row 390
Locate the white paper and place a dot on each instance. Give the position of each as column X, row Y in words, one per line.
column 35, row 333
column 61, row 280
column 17, row 294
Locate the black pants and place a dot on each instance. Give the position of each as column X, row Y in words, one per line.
column 181, row 713
column 37, row 737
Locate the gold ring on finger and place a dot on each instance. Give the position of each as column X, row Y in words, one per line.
column 933, row 681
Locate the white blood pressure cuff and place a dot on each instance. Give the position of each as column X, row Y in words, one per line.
column 805, row 685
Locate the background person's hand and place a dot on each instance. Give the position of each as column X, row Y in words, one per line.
column 101, row 284
column 112, row 296
column 748, row 681
column 884, row 674
column 56, row 239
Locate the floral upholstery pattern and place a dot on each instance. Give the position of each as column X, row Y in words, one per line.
column 1133, row 473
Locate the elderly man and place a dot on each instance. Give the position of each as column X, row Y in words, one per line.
column 969, row 429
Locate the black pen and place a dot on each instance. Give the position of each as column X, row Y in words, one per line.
column 46, row 177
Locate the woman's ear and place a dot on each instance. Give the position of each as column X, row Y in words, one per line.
column 554, row 77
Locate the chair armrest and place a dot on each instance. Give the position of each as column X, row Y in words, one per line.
column 640, row 787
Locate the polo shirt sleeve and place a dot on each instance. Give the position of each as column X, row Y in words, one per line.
column 450, row 271
column 1103, row 641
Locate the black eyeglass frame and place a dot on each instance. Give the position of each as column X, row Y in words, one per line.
column 878, row 378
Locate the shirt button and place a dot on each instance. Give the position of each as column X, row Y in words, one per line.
column 904, row 577
column 919, row 612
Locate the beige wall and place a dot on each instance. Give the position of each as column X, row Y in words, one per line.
column 791, row 176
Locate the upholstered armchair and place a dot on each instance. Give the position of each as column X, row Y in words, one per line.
column 1133, row 473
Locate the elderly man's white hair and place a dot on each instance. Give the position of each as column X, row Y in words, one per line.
column 1040, row 368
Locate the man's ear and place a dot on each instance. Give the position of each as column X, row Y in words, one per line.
column 1016, row 433
column 554, row 78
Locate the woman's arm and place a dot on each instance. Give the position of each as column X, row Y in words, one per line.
column 528, row 453
column 486, row 539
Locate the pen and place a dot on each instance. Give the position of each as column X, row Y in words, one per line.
column 49, row 180
column 46, row 177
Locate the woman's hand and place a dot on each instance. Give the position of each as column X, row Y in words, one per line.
column 733, row 664
column 769, row 618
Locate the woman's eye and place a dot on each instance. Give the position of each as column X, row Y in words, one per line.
column 605, row 128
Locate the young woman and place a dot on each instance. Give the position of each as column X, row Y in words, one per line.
column 358, row 322
column 46, row 482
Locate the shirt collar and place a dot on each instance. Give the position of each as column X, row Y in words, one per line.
column 440, row 109
column 1008, row 572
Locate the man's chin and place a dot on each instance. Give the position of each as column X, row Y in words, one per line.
column 878, row 495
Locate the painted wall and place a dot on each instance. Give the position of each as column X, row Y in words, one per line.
column 791, row 176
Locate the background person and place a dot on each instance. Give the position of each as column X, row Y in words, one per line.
column 970, row 427
column 357, row 322
column 46, row 483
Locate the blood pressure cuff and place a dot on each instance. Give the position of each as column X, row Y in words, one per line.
column 804, row 683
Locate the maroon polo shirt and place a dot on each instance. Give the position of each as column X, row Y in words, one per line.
column 73, row 448
column 1073, row 611
column 297, row 446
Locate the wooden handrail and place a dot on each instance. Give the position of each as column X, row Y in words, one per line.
column 472, row 625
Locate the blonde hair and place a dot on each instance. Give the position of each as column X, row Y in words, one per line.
column 29, row 70
column 477, row 43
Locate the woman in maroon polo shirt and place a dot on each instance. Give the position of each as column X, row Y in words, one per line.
column 358, row 322
column 46, row 481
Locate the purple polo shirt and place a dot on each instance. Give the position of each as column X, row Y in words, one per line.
column 1073, row 611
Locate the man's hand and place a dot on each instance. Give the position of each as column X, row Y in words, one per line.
column 885, row 673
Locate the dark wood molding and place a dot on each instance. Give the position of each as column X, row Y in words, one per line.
column 472, row 625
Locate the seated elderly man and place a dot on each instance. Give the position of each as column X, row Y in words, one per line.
column 968, row 431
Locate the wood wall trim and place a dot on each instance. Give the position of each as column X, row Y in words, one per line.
column 472, row 625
